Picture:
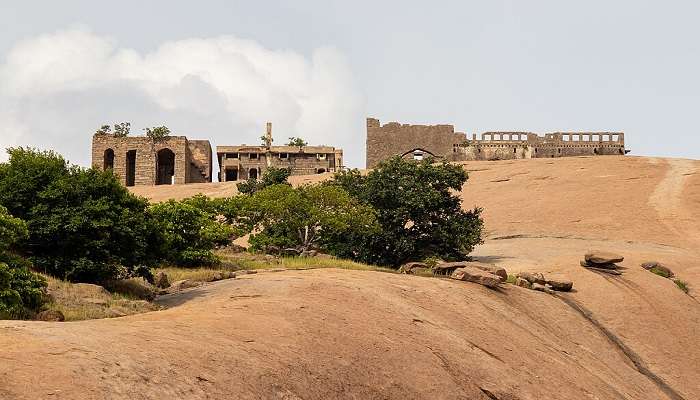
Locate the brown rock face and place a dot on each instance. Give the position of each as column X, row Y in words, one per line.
column 587, row 264
column 51, row 316
column 603, row 257
column 471, row 274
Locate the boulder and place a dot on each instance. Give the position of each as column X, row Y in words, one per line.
column 523, row 283
column 603, row 257
column 161, row 280
column 476, row 275
column 560, row 285
column 115, row 313
column 308, row 253
column 183, row 284
column 408, row 268
column 449, row 267
column 587, row 264
column 50, row 316
column 90, row 288
column 532, row 277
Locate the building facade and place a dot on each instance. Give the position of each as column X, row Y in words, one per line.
column 243, row 161
column 441, row 141
column 142, row 161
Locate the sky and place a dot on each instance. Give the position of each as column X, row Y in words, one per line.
column 220, row 70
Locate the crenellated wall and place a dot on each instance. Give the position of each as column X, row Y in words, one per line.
column 417, row 141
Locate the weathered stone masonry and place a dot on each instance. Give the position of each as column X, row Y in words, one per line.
column 141, row 161
column 242, row 162
column 441, row 141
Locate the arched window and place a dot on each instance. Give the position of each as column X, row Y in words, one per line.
column 108, row 159
column 165, row 167
column 253, row 173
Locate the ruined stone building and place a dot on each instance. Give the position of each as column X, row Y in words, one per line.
column 142, row 161
column 243, row 161
column 441, row 141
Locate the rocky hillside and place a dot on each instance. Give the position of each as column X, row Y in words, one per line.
column 321, row 334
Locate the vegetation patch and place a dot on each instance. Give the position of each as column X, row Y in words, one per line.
column 682, row 285
column 86, row 301
column 660, row 272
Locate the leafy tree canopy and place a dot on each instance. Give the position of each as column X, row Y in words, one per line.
column 296, row 141
column 272, row 176
column 158, row 133
column 418, row 210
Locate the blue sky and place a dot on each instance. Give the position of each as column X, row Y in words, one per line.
column 220, row 69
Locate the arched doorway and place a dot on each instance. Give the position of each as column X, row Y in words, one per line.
column 253, row 173
column 165, row 168
column 108, row 159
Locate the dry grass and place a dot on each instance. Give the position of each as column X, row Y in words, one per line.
column 195, row 274
column 307, row 263
column 84, row 301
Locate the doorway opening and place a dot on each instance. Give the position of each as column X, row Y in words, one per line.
column 165, row 167
column 130, row 167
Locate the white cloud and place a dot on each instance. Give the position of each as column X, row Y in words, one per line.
column 56, row 89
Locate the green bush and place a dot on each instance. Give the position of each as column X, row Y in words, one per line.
column 307, row 217
column 418, row 210
column 84, row 226
column 660, row 272
column 682, row 285
column 189, row 231
column 272, row 176
column 21, row 291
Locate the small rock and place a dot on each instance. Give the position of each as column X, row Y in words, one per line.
column 114, row 313
column 409, row 267
column 603, row 257
column 50, row 316
column 449, row 267
column 560, row 285
column 541, row 288
column 95, row 301
column 523, row 283
column 161, row 280
column 183, row 284
column 89, row 287
column 658, row 268
column 532, row 277
column 476, row 275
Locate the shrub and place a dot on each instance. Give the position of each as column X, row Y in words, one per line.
column 660, row 272
column 307, row 217
column 189, row 232
column 21, row 291
column 158, row 133
column 83, row 224
column 419, row 213
column 297, row 142
column 272, row 176
column 89, row 228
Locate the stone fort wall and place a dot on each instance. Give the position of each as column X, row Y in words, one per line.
column 441, row 141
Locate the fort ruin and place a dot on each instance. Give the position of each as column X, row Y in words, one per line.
column 243, row 161
column 441, row 141
column 139, row 160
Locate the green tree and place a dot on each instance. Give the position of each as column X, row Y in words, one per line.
column 25, row 175
column 83, row 224
column 88, row 228
column 297, row 142
column 189, row 231
column 21, row 291
column 104, row 130
column 122, row 129
column 306, row 217
column 272, row 176
column 158, row 133
column 418, row 211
